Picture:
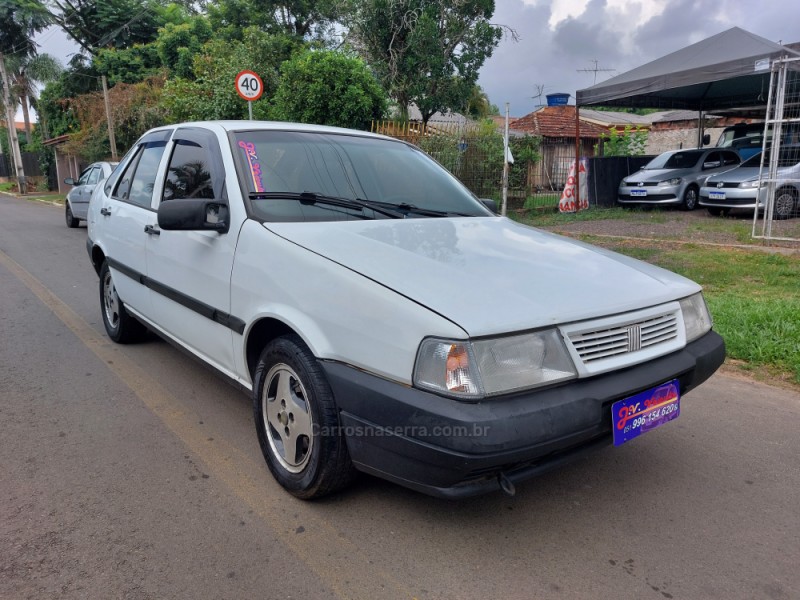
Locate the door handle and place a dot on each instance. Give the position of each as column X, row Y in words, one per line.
column 150, row 230
column 106, row 212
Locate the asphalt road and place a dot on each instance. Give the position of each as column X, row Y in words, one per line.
column 134, row 472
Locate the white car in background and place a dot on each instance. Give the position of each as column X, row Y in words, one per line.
column 382, row 318
column 76, row 204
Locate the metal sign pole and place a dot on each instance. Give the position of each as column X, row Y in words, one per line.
column 250, row 109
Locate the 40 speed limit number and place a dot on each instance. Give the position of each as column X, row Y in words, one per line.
column 249, row 85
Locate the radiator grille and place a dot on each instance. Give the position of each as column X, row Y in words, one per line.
column 624, row 339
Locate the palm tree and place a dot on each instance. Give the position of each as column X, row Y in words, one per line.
column 27, row 71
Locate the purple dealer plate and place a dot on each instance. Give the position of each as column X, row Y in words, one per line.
column 646, row 410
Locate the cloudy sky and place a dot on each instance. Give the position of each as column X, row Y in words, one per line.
column 559, row 37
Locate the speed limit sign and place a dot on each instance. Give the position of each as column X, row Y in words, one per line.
column 249, row 85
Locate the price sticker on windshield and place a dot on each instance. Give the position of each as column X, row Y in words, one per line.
column 249, row 86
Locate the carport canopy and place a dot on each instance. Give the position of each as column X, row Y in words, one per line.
column 728, row 70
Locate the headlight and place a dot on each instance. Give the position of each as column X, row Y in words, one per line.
column 751, row 184
column 674, row 181
column 696, row 318
column 473, row 369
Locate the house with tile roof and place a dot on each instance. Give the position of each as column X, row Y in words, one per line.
column 556, row 126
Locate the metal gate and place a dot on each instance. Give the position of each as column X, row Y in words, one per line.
column 779, row 175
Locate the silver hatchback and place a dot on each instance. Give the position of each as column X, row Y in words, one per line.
column 675, row 177
column 744, row 188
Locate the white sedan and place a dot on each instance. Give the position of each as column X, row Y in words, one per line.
column 382, row 317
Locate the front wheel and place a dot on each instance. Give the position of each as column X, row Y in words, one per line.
column 689, row 198
column 297, row 421
column 785, row 201
column 120, row 326
column 72, row 222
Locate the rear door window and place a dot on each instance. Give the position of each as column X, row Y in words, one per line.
column 137, row 183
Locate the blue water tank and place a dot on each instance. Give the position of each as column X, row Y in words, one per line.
column 557, row 99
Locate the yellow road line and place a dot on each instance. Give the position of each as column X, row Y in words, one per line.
column 339, row 563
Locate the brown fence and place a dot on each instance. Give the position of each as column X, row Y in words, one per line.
column 473, row 152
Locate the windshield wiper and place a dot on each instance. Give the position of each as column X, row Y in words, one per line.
column 314, row 198
column 428, row 212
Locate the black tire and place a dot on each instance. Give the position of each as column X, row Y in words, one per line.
column 72, row 222
column 717, row 211
column 785, row 204
column 293, row 402
column 690, row 198
column 120, row 326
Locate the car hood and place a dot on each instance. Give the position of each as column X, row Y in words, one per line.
column 735, row 176
column 747, row 174
column 658, row 175
column 490, row 275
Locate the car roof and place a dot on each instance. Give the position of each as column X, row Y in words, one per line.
column 244, row 125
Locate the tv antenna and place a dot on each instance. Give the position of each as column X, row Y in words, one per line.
column 539, row 93
column 596, row 69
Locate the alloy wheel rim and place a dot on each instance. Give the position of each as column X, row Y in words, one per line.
column 288, row 421
column 110, row 301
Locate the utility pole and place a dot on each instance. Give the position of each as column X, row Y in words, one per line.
column 11, row 123
column 111, row 140
column 595, row 70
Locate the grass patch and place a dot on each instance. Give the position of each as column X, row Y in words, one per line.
column 740, row 229
column 7, row 187
column 539, row 219
column 753, row 296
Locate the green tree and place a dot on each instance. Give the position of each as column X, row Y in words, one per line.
column 179, row 44
column 426, row 51
column 328, row 88
column 210, row 92
column 108, row 24
column 26, row 72
column 20, row 20
column 631, row 141
column 298, row 18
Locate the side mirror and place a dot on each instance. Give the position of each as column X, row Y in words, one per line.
column 706, row 139
column 490, row 204
column 193, row 215
column 70, row 181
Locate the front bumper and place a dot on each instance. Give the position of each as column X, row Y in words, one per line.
column 454, row 449
column 661, row 194
column 734, row 198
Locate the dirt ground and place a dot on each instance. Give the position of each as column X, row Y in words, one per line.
column 696, row 227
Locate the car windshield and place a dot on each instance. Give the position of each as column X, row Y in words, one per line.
column 298, row 176
column 675, row 160
column 788, row 157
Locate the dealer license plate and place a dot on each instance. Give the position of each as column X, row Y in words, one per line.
column 647, row 410
column 638, row 192
column 716, row 195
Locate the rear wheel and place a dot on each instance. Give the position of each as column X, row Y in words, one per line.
column 120, row 326
column 72, row 222
column 689, row 198
column 297, row 421
column 785, row 203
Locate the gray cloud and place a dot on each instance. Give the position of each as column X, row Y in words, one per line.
column 552, row 58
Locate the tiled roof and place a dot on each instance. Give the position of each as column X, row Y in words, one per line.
column 556, row 122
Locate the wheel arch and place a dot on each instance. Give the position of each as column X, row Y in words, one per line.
column 98, row 256
column 261, row 333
